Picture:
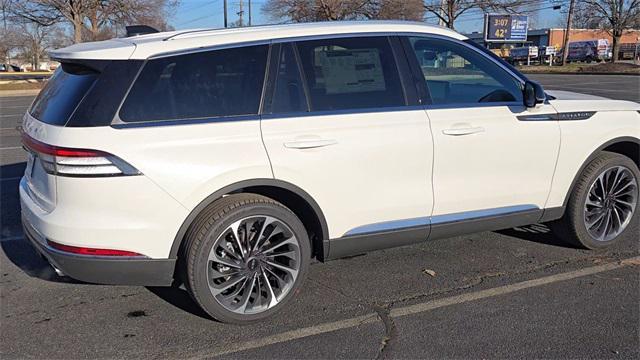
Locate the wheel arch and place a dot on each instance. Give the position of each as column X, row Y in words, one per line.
column 291, row 196
column 626, row 145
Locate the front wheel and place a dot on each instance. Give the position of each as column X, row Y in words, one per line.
column 603, row 206
column 246, row 257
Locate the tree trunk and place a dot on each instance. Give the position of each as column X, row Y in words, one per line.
column 451, row 14
column 616, row 47
column 77, row 33
column 94, row 25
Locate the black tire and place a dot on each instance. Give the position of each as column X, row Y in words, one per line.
column 571, row 227
column 210, row 225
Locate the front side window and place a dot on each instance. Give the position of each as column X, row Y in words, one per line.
column 351, row 73
column 456, row 74
column 200, row 85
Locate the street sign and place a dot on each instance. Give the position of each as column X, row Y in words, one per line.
column 550, row 50
column 505, row 28
column 533, row 51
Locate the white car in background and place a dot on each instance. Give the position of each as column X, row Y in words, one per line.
column 227, row 159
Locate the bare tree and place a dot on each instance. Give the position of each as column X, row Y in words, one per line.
column 448, row 11
column 615, row 16
column 94, row 19
column 397, row 10
column 330, row 10
column 35, row 40
column 584, row 17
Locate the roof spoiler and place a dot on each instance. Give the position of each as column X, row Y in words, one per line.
column 134, row 30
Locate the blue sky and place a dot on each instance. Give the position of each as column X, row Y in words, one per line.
column 209, row 14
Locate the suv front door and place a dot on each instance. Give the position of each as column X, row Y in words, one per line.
column 492, row 155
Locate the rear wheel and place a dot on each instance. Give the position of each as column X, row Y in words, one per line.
column 603, row 207
column 246, row 257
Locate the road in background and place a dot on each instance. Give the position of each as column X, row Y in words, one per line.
column 469, row 308
column 620, row 87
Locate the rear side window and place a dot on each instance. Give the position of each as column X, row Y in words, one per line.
column 351, row 73
column 200, row 85
column 288, row 89
column 62, row 94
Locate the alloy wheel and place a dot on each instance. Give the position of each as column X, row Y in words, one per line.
column 253, row 264
column 610, row 203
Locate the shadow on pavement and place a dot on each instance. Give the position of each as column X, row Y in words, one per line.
column 538, row 233
column 180, row 299
column 9, row 199
column 16, row 248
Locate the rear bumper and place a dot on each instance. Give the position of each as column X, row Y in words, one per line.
column 104, row 270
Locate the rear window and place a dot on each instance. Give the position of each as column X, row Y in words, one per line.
column 62, row 94
column 216, row 83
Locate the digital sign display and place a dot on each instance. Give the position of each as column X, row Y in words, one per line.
column 503, row 28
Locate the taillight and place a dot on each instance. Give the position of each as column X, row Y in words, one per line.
column 77, row 162
column 90, row 251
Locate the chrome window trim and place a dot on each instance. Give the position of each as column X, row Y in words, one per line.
column 193, row 121
column 120, row 124
column 343, row 112
column 453, row 218
column 332, row 36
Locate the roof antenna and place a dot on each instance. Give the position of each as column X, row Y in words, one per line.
column 134, row 30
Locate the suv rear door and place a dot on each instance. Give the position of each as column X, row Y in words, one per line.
column 360, row 145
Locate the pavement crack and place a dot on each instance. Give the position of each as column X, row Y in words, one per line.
column 391, row 332
column 469, row 283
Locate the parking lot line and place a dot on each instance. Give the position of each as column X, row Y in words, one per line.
column 415, row 309
column 11, row 148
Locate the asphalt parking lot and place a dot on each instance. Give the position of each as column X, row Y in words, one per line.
column 509, row 294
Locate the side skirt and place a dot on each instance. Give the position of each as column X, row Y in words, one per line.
column 358, row 244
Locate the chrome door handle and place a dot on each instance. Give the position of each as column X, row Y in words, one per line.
column 309, row 144
column 463, row 131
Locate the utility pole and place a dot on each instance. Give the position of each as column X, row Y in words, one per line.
column 226, row 23
column 249, row 12
column 241, row 14
column 565, row 52
column 442, row 5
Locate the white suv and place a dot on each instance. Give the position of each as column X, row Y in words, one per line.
column 226, row 160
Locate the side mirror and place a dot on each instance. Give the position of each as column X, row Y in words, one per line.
column 533, row 94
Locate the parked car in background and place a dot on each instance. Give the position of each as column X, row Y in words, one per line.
column 523, row 55
column 9, row 68
column 628, row 51
column 225, row 160
column 588, row 51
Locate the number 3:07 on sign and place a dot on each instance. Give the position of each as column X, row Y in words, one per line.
column 501, row 22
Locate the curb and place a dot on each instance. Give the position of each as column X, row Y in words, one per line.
column 8, row 93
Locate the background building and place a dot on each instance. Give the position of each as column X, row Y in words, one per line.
column 555, row 37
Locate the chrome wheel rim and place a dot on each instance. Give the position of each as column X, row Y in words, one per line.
column 253, row 264
column 610, row 203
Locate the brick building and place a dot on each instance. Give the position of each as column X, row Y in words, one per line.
column 555, row 37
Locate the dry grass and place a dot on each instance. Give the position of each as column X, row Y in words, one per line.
column 22, row 86
column 604, row 68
